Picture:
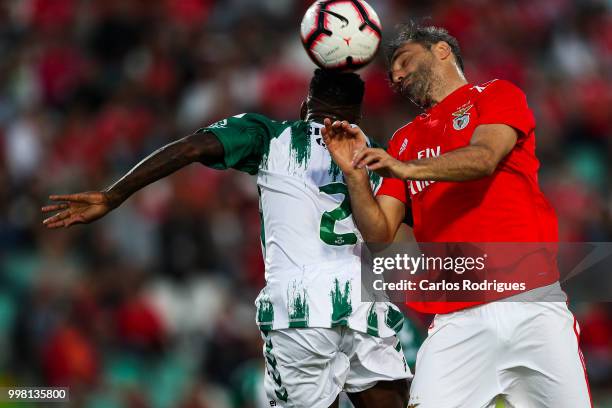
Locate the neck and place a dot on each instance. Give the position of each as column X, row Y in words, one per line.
column 452, row 82
column 320, row 116
column 318, row 110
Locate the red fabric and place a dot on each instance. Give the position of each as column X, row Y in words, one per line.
column 507, row 206
column 393, row 187
column 596, row 329
column 54, row 14
column 139, row 324
column 60, row 70
column 70, row 358
column 281, row 80
column 379, row 97
column 584, row 369
column 191, row 13
column 87, row 141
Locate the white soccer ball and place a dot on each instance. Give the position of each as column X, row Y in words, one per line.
column 341, row 34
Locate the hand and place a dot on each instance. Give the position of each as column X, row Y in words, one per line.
column 81, row 208
column 343, row 141
column 381, row 162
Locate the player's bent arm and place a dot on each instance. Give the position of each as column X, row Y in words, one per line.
column 488, row 147
column 394, row 212
column 200, row 147
column 377, row 218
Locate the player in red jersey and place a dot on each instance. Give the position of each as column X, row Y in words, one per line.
column 467, row 170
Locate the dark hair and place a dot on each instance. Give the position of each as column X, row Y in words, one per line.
column 337, row 88
column 426, row 36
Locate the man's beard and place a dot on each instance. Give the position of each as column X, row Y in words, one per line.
column 418, row 86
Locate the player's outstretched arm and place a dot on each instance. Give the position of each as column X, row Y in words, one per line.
column 376, row 218
column 83, row 208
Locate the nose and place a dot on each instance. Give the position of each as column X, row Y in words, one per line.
column 397, row 77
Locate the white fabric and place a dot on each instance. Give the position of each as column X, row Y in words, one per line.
column 304, row 274
column 525, row 351
column 311, row 366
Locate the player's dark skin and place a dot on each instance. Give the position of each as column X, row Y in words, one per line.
column 205, row 148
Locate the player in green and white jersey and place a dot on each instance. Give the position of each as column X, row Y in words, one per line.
column 319, row 337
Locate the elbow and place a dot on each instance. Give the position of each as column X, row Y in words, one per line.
column 486, row 166
column 381, row 236
column 190, row 149
column 379, row 242
column 388, row 238
column 192, row 153
column 488, row 170
column 378, row 237
column 387, row 232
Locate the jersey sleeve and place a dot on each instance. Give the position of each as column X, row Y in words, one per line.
column 393, row 187
column 502, row 102
column 245, row 139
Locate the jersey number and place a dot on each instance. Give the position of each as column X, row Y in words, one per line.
column 329, row 218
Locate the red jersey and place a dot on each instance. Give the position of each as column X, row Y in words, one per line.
column 507, row 206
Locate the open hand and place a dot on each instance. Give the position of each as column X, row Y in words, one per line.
column 80, row 208
column 343, row 141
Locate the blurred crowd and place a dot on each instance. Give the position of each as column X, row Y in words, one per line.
column 153, row 306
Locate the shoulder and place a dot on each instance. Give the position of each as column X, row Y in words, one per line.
column 497, row 87
column 254, row 118
column 402, row 132
column 399, row 140
column 247, row 117
column 261, row 124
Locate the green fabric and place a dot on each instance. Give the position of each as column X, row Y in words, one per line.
column 102, row 399
column 411, row 337
column 246, row 382
column 8, row 312
column 245, row 139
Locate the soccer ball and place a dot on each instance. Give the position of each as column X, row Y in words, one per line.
column 341, row 34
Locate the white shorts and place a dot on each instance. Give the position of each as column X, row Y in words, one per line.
column 526, row 352
column 309, row 367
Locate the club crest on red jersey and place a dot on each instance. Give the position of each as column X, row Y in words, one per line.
column 462, row 117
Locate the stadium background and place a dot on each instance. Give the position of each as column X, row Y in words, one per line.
column 153, row 306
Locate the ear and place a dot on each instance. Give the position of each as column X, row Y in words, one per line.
column 303, row 110
column 442, row 50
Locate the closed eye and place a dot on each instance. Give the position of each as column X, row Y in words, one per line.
column 402, row 61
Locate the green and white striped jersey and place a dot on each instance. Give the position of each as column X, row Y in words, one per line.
column 310, row 244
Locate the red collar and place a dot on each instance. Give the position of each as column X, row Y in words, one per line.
column 456, row 96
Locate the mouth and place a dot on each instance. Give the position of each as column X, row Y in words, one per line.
column 406, row 82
